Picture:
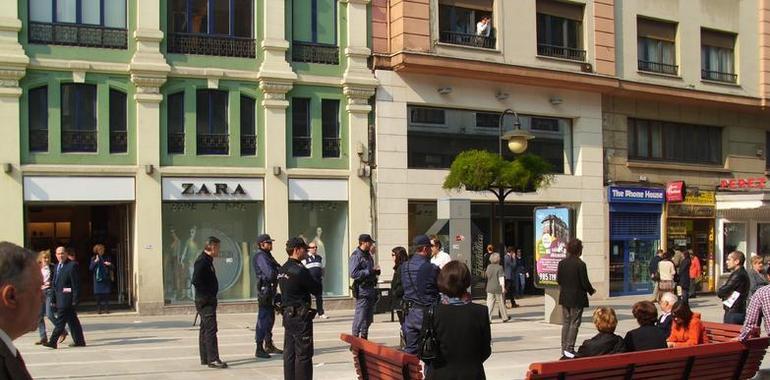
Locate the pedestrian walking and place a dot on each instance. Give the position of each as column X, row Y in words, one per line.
column 46, row 309
column 364, row 273
column 757, row 275
column 683, row 272
column 297, row 284
column 522, row 274
column 654, row 275
column 461, row 327
column 647, row 336
column 734, row 292
column 439, row 258
column 666, row 273
column 509, row 271
column 572, row 277
column 315, row 265
column 20, row 299
column 695, row 272
column 420, row 291
column 397, row 289
column 266, row 271
column 67, row 296
column 204, row 281
column 101, row 266
column 495, row 286
column 485, row 259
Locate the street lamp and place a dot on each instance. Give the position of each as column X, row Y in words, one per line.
column 517, row 143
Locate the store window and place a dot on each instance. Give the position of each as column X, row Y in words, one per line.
column 186, row 225
column 326, row 224
column 667, row 141
column 38, row 119
column 436, row 136
column 763, row 239
column 656, row 46
column 78, row 118
column 118, row 132
column 734, row 239
column 559, row 30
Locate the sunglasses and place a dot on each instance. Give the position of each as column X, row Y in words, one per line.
column 312, row 247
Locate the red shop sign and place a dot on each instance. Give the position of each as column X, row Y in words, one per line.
column 675, row 191
column 743, row 183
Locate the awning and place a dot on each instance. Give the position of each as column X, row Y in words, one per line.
column 754, row 205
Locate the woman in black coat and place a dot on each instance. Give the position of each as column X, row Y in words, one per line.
column 101, row 266
column 605, row 342
column 462, row 328
column 647, row 336
column 397, row 288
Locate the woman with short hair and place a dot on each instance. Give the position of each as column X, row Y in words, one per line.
column 606, row 341
column 461, row 327
column 46, row 310
column 647, row 336
column 101, row 266
column 495, row 275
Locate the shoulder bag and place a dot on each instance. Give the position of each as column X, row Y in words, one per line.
column 429, row 344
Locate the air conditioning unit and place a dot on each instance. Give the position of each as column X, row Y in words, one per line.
column 587, row 68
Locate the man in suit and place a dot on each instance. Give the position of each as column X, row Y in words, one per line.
column 204, row 279
column 667, row 301
column 20, row 300
column 67, row 293
column 572, row 277
column 735, row 291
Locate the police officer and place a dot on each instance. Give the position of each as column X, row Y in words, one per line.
column 364, row 274
column 315, row 265
column 266, row 271
column 204, row 279
column 418, row 277
column 296, row 287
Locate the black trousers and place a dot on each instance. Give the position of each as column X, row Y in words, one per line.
column 208, row 346
column 297, row 346
column 510, row 291
column 67, row 316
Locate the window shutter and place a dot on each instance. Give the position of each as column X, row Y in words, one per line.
column 560, row 9
column 656, row 29
column 717, row 39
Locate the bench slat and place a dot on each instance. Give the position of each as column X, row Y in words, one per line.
column 381, row 362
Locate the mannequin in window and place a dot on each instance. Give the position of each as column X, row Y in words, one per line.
column 190, row 253
column 317, row 240
column 171, row 271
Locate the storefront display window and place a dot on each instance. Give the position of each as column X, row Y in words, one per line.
column 186, row 225
column 734, row 240
column 763, row 239
column 325, row 223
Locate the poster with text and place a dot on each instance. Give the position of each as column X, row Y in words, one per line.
column 553, row 229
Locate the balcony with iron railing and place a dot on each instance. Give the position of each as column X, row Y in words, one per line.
column 657, row 67
column 213, row 143
column 561, row 52
column 175, row 143
column 118, row 141
column 248, row 145
column 331, row 147
column 718, row 76
column 205, row 44
column 315, row 53
column 467, row 39
column 74, row 141
column 301, row 146
column 77, row 35
column 38, row 140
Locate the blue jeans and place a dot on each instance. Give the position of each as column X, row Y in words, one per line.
column 46, row 311
column 521, row 283
column 734, row 318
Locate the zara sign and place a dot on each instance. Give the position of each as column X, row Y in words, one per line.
column 212, row 189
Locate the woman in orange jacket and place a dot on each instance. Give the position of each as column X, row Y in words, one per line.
column 686, row 327
column 695, row 272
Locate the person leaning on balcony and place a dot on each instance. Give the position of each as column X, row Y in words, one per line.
column 484, row 27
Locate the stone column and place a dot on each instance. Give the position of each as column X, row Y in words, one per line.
column 13, row 62
column 276, row 186
column 148, row 73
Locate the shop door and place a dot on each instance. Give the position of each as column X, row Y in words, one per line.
column 637, row 272
column 617, row 262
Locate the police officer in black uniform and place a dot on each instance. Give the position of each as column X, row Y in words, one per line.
column 204, row 279
column 297, row 285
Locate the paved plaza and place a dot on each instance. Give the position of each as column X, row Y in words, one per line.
column 128, row 346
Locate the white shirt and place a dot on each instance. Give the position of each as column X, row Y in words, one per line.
column 482, row 29
column 8, row 342
column 664, row 316
column 441, row 259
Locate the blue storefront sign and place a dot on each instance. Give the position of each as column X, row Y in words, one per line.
column 635, row 214
column 636, row 195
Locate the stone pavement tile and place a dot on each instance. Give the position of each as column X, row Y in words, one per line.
column 128, row 346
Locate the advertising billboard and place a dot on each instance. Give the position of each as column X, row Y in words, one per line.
column 553, row 229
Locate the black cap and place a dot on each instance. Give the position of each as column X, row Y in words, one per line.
column 421, row 240
column 264, row 238
column 365, row 238
column 295, row 242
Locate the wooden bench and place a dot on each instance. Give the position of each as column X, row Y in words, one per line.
column 719, row 358
column 377, row 362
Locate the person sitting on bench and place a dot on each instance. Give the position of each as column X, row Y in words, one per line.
column 606, row 341
column 686, row 327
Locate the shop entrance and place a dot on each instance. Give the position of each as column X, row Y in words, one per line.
column 698, row 235
column 81, row 227
column 629, row 266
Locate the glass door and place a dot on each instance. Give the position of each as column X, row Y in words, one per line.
column 637, row 272
column 617, row 263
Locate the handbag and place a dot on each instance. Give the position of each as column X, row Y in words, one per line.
column 429, row 345
column 666, row 286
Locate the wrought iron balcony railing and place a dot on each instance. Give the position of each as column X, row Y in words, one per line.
column 300, row 146
column 561, row 52
column 213, row 143
column 718, row 76
column 248, row 145
column 118, row 141
column 657, row 67
column 38, row 140
column 77, row 35
column 205, row 44
column 175, row 144
column 78, row 141
column 315, row 53
column 467, row 39
column 331, row 147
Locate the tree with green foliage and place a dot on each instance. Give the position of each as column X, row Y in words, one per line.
column 480, row 170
